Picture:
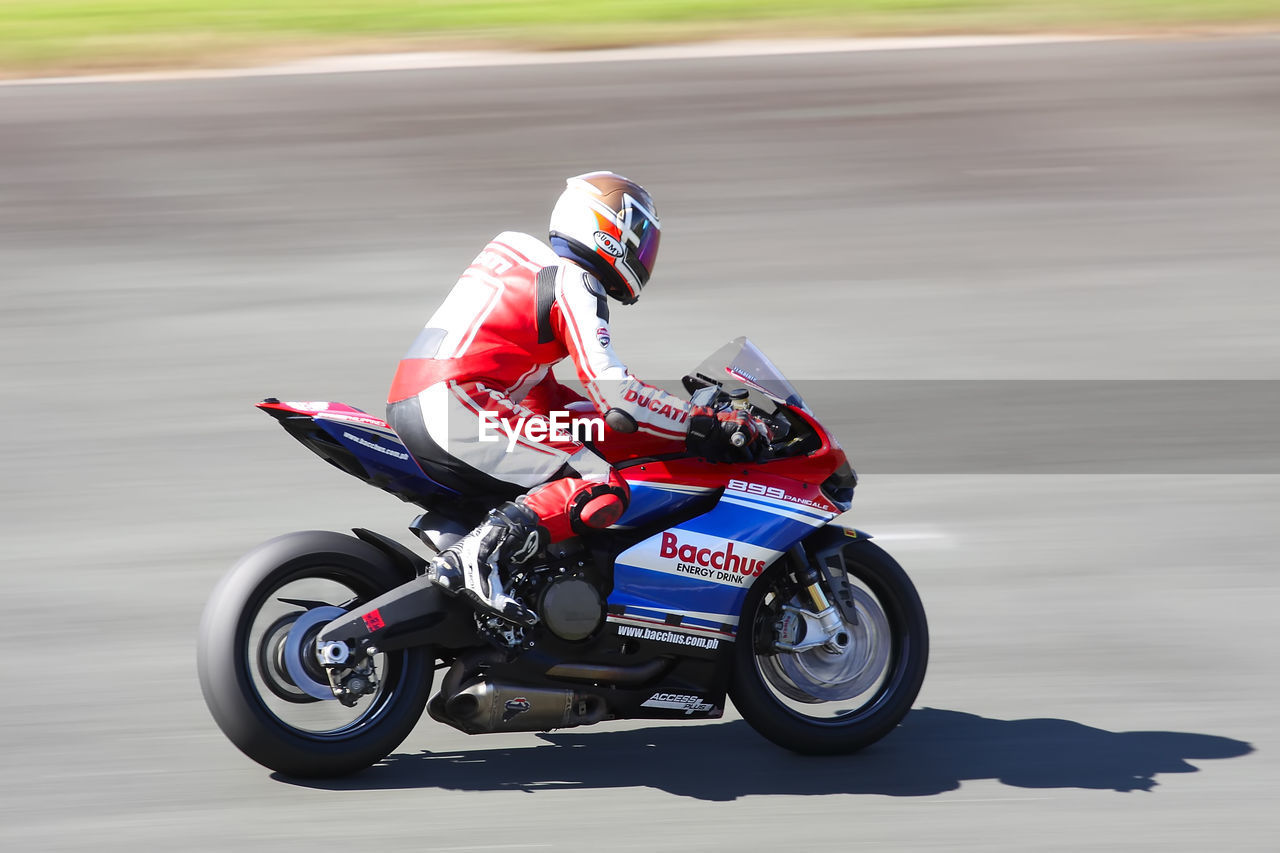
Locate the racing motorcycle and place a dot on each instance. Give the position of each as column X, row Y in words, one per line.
column 317, row 650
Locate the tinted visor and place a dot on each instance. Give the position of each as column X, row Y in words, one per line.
column 649, row 234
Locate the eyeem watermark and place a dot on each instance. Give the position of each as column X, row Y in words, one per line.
column 557, row 426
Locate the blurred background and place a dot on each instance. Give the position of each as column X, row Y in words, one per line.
column 59, row 35
column 173, row 250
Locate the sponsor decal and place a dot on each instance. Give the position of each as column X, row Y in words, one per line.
column 702, row 558
column 602, row 337
column 378, row 447
column 609, row 244
column 713, row 564
column 315, row 407
column 558, row 426
column 771, row 492
column 652, row 402
column 757, row 489
column 373, row 620
column 677, row 702
column 674, row 637
column 747, row 379
column 513, row 708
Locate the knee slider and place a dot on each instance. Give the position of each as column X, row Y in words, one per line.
column 597, row 508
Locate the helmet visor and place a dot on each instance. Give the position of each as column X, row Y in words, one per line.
column 648, row 235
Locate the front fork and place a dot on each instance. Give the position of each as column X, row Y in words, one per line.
column 821, row 624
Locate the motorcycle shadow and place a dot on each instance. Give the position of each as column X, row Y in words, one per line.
column 933, row 751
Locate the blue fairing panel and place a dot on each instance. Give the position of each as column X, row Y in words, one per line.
column 696, row 574
column 650, row 502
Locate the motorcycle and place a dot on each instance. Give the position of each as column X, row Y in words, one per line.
column 317, row 650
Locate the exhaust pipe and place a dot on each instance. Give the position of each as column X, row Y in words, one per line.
column 486, row 706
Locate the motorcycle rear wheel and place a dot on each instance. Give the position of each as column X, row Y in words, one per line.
column 791, row 702
column 258, row 705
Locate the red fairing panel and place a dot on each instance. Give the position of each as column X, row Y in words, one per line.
column 778, row 480
column 796, row 479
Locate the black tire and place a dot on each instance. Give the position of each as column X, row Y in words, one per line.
column 227, row 665
column 786, row 724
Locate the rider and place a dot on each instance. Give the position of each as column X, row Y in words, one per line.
column 479, row 374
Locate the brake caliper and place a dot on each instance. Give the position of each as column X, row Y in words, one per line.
column 351, row 675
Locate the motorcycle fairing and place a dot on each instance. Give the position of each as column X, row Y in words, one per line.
column 691, row 578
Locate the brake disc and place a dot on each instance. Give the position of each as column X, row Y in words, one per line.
column 301, row 640
column 823, row 674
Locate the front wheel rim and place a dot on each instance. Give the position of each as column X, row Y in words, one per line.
column 823, row 688
column 822, row 674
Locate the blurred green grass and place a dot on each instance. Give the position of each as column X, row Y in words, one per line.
column 41, row 35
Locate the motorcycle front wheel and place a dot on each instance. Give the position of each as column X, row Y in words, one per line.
column 258, row 670
column 844, row 697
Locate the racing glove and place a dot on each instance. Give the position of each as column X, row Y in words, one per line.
column 731, row 435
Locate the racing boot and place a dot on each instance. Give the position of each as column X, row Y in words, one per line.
column 474, row 565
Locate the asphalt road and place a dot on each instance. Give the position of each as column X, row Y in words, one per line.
column 1103, row 671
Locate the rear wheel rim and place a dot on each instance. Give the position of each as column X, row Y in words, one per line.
column 263, row 651
column 271, row 661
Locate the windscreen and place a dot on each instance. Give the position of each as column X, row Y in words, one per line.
column 740, row 364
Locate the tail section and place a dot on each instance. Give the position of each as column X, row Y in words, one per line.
column 358, row 443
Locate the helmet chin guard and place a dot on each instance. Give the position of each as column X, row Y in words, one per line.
column 607, row 223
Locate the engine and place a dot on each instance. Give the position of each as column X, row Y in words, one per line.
column 565, row 594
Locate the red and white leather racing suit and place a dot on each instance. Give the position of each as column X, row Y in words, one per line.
column 489, row 348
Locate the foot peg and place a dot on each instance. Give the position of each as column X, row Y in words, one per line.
column 504, row 607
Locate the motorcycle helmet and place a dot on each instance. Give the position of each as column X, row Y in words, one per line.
column 607, row 224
